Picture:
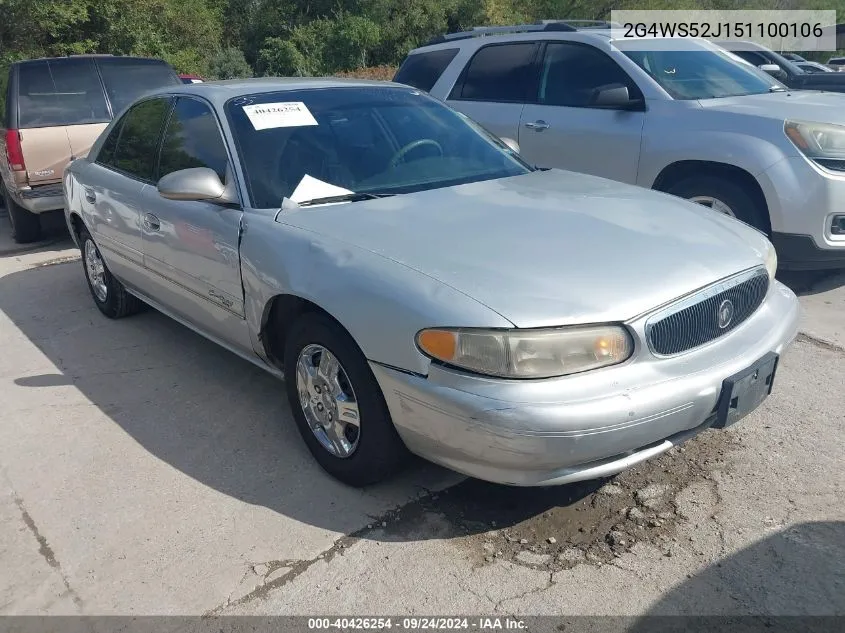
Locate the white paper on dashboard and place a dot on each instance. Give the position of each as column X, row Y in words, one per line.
column 265, row 116
column 310, row 188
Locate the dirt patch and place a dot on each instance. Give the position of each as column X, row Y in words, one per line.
column 380, row 73
column 560, row 527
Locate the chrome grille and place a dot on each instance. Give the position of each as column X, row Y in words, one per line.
column 708, row 314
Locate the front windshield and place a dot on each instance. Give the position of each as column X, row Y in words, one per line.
column 702, row 73
column 366, row 140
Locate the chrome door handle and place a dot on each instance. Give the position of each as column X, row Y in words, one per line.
column 151, row 222
column 537, row 125
column 90, row 196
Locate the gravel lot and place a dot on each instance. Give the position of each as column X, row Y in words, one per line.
column 143, row 470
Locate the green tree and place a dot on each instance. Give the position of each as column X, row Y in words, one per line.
column 351, row 41
column 229, row 63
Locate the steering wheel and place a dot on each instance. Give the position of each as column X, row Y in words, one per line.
column 399, row 155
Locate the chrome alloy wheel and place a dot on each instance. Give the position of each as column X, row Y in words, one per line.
column 96, row 270
column 328, row 400
column 713, row 203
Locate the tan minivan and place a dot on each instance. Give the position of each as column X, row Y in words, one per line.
column 55, row 109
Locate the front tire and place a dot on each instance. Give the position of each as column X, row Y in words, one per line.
column 338, row 405
column 26, row 226
column 724, row 195
column 109, row 294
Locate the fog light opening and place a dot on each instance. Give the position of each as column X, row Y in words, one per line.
column 837, row 226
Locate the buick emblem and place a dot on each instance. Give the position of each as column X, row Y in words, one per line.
column 725, row 314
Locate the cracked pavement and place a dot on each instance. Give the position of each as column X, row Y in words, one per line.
column 143, row 470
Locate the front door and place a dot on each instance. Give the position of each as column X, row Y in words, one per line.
column 191, row 248
column 561, row 129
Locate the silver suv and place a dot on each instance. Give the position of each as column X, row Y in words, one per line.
column 687, row 118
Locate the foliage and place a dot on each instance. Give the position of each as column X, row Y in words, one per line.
column 230, row 38
column 229, row 63
column 377, row 73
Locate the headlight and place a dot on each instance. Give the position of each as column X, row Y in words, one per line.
column 823, row 143
column 771, row 260
column 528, row 353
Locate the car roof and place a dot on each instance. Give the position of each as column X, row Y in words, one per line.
column 219, row 92
column 102, row 56
column 602, row 35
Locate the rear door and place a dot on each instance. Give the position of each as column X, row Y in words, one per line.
column 61, row 109
column 494, row 85
column 113, row 185
column 562, row 129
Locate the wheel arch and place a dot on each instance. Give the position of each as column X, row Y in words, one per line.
column 279, row 314
column 688, row 169
column 76, row 224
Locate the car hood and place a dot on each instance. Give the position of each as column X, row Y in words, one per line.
column 550, row 247
column 803, row 105
column 824, row 81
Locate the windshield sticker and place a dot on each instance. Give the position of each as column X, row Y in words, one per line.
column 265, row 116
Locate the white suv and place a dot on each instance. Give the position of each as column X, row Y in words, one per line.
column 687, row 118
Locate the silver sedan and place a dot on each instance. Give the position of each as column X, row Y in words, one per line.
column 421, row 287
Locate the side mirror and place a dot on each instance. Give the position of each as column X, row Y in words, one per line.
column 774, row 70
column 196, row 183
column 511, row 143
column 613, row 96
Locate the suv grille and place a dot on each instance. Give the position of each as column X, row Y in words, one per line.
column 708, row 314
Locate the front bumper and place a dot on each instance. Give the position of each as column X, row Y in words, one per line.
column 595, row 424
column 803, row 201
column 799, row 252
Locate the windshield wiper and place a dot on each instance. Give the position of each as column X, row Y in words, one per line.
column 346, row 197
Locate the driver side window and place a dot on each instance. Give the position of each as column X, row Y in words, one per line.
column 572, row 72
column 193, row 139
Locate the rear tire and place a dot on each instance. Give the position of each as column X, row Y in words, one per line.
column 26, row 226
column 742, row 205
column 377, row 450
column 108, row 293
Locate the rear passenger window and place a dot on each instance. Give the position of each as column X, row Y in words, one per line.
column 193, row 139
column 127, row 79
column 136, row 148
column 60, row 92
column 424, row 69
column 572, row 73
column 500, row 72
column 106, row 154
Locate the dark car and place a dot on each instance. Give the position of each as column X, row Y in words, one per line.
column 813, row 67
column 794, row 57
column 785, row 71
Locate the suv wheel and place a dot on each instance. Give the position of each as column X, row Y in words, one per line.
column 725, row 196
column 26, row 226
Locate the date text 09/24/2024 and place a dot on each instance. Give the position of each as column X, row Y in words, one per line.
column 416, row 623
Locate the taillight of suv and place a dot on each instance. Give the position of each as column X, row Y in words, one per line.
column 14, row 151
